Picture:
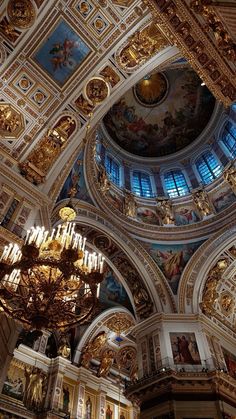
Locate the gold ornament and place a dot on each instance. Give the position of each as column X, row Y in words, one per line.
column 97, row 90
column 119, row 323
column 11, row 122
column 21, row 13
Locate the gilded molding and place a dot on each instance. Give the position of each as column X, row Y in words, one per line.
column 197, row 47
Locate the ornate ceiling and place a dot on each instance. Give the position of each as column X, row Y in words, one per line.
column 62, row 60
column 65, row 63
column 161, row 114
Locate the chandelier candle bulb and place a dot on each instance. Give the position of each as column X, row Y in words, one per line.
column 98, row 290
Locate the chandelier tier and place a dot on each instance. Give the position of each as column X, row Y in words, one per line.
column 52, row 282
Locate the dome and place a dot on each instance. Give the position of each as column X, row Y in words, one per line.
column 163, row 113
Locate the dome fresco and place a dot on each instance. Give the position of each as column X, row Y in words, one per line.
column 154, row 121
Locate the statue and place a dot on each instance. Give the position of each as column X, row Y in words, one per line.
column 64, row 128
column 165, row 211
column 130, row 205
column 64, row 349
column 106, row 363
column 34, row 394
column 103, row 180
column 93, row 349
column 202, row 203
column 230, row 177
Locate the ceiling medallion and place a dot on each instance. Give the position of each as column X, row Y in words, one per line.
column 152, row 89
column 97, row 90
column 52, row 282
column 21, row 13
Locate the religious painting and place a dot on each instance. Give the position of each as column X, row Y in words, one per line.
column 147, row 216
column 15, row 382
column 179, row 116
column 21, row 382
column 89, row 408
column 223, row 199
column 184, row 348
column 67, row 396
column 109, row 410
column 230, row 361
column 185, row 215
column 112, row 292
column 75, row 183
column 62, row 53
column 172, row 259
column 123, row 414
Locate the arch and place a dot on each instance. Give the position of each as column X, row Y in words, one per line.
column 141, row 183
column 175, row 183
column 194, row 276
column 98, row 325
column 153, row 279
column 208, row 166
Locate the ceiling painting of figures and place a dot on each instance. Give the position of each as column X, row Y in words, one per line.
column 162, row 114
column 61, row 53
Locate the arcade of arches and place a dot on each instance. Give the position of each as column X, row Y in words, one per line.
column 127, row 109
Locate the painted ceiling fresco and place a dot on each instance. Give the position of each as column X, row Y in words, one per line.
column 75, row 185
column 172, row 259
column 156, row 120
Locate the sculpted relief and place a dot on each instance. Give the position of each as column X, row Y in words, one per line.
column 140, row 47
column 42, row 158
column 11, row 122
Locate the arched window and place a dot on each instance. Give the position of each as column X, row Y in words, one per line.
column 208, row 167
column 229, row 138
column 141, row 184
column 113, row 170
column 175, row 183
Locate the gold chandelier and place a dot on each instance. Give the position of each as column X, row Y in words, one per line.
column 52, row 282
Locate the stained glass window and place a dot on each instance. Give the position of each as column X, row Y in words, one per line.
column 208, row 167
column 175, row 183
column 229, row 138
column 113, row 170
column 141, row 184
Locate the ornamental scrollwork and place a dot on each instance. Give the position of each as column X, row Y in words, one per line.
column 42, row 158
column 210, row 294
column 140, row 47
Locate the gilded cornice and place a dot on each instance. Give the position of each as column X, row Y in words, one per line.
column 201, row 52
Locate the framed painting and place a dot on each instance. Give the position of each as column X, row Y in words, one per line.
column 61, row 53
column 184, row 348
column 89, row 408
column 230, row 361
